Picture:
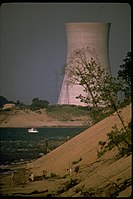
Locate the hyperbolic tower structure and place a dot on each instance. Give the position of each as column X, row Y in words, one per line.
column 94, row 35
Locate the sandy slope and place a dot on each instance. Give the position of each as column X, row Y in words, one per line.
column 29, row 118
column 83, row 145
column 102, row 176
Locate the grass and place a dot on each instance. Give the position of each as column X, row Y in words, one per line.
column 73, row 112
column 66, row 112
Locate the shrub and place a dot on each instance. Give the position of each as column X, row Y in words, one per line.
column 69, row 185
column 76, row 169
column 76, row 161
column 117, row 138
column 53, row 175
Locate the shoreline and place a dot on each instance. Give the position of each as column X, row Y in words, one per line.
column 13, row 167
column 59, row 126
column 97, row 175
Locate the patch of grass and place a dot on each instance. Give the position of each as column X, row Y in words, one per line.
column 68, row 185
column 52, row 175
column 77, row 161
column 66, row 112
column 76, row 169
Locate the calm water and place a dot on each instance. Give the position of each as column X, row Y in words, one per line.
column 17, row 145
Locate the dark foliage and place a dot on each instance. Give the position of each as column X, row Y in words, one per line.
column 117, row 138
column 38, row 104
column 126, row 71
column 3, row 101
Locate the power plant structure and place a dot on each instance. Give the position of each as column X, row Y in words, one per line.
column 92, row 35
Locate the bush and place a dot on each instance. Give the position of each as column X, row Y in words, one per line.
column 117, row 138
column 76, row 169
column 53, row 175
column 76, row 161
column 69, row 185
column 38, row 104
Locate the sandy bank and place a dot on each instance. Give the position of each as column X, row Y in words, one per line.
column 99, row 177
column 28, row 119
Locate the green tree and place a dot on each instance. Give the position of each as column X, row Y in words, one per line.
column 102, row 90
column 38, row 103
column 117, row 138
column 109, row 92
column 87, row 72
column 3, row 101
column 126, row 71
column 124, row 76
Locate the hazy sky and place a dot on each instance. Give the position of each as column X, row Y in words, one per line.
column 34, row 44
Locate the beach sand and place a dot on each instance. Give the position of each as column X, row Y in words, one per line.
column 22, row 187
column 104, row 175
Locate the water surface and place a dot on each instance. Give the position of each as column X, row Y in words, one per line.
column 17, row 145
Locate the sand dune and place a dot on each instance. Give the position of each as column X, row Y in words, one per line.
column 26, row 119
column 100, row 177
column 96, row 174
column 83, row 145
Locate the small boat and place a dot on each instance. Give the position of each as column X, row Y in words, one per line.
column 32, row 130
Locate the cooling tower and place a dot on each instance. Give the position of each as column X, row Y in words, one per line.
column 82, row 35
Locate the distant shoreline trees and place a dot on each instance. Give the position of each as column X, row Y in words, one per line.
column 4, row 101
column 35, row 105
column 38, row 104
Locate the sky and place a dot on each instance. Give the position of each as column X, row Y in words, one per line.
column 34, row 44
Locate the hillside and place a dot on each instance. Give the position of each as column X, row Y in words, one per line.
column 82, row 149
column 106, row 176
column 53, row 116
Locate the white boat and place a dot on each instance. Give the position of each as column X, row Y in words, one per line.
column 32, row 130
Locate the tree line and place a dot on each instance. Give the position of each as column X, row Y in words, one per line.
column 35, row 105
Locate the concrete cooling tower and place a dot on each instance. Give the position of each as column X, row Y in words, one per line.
column 82, row 35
